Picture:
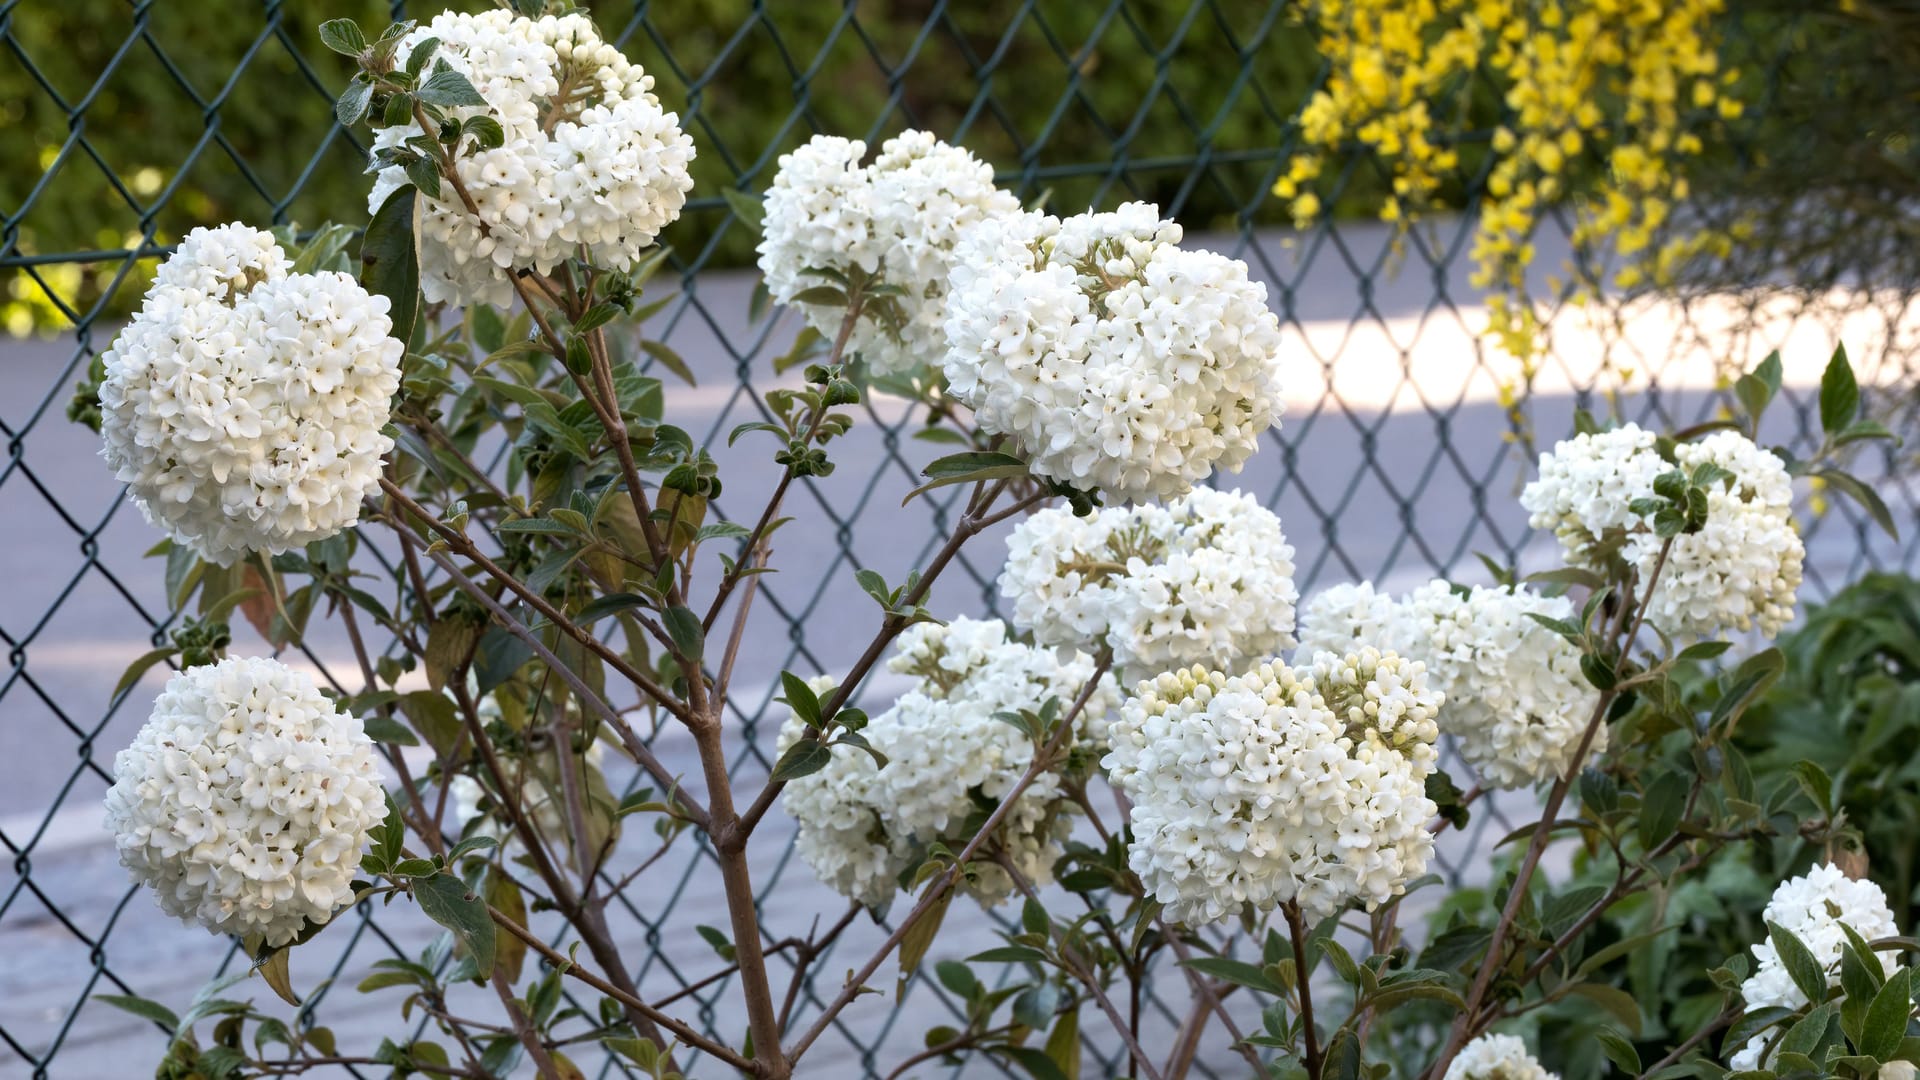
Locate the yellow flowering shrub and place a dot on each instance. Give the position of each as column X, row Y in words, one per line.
column 1603, row 104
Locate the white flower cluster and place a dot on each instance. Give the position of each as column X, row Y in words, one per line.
column 590, row 159
column 1737, row 573
column 243, row 405
column 1206, row 579
column 1517, row 703
column 1814, row 907
column 1116, row 360
column 245, row 800
column 861, row 824
column 1497, row 1057
column 896, row 221
column 1305, row 785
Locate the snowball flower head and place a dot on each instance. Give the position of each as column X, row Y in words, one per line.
column 1116, row 360
column 862, row 824
column 1814, row 907
column 1278, row 785
column 1343, row 618
column 589, row 157
column 1742, row 570
column 1497, row 1057
column 245, row 800
column 243, row 405
column 1517, row 703
column 1206, row 579
column 1739, row 572
column 894, row 221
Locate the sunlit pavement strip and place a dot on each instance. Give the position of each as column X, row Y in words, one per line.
column 1375, row 371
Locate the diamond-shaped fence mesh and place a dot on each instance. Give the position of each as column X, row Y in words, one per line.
column 129, row 121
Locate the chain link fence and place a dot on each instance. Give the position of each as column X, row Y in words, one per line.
column 1398, row 458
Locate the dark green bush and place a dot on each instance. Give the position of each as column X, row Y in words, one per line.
column 125, row 125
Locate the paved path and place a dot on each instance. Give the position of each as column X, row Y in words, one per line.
column 1373, row 473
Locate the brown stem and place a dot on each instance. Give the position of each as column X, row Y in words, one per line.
column 760, row 527
column 1698, row 1037
column 627, row 998
column 808, row 953
column 736, row 878
column 459, row 542
column 574, row 682
column 616, row 426
column 1126, row 1026
column 1542, row 834
column 931, row 898
column 970, row 524
column 1209, row 995
column 522, row 1027
column 1303, row 979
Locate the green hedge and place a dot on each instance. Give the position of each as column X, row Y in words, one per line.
column 218, row 112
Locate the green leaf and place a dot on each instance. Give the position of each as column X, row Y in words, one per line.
column 746, row 206
column 448, row 88
column 804, row 758
column 386, row 838
column 141, row 1007
column 957, row 978
column 139, row 668
column 343, row 36
column 1063, row 1042
column 1753, row 396
column 919, row 937
column 1455, row 946
column 1816, row 783
column 827, row 295
column 1839, row 394
column 1749, row 681
column 389, row 266
column 273, row 968
column 1887, row 1018
column 1771, row 372
column 1869, row 499
column 1660, row 809
column 1009, row 954
column 1613, row 999
column 668, row 359
column 801, row 698
column 1237, row 972
column 485, row 131
column 684, row 630
column 1704, row 650
column 446, row 900
column 1619, row 1050
column 1599, row 671
column 1036, row 1062
column 424, row 174
column 1799, row 961
column 642, row 1052
column 968, row 467
column 351, row 108
column 382, row 728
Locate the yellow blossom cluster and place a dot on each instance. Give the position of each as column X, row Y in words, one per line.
column 1603, row 102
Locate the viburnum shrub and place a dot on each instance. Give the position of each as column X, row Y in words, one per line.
column 1150, row 765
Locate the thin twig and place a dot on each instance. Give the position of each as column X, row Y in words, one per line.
column 931, row 898
column 1124, row 1026
column 686, row 1033
column 1303, row 979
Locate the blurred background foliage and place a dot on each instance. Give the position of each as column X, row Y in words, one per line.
column 188, row 124
column 96, row 167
